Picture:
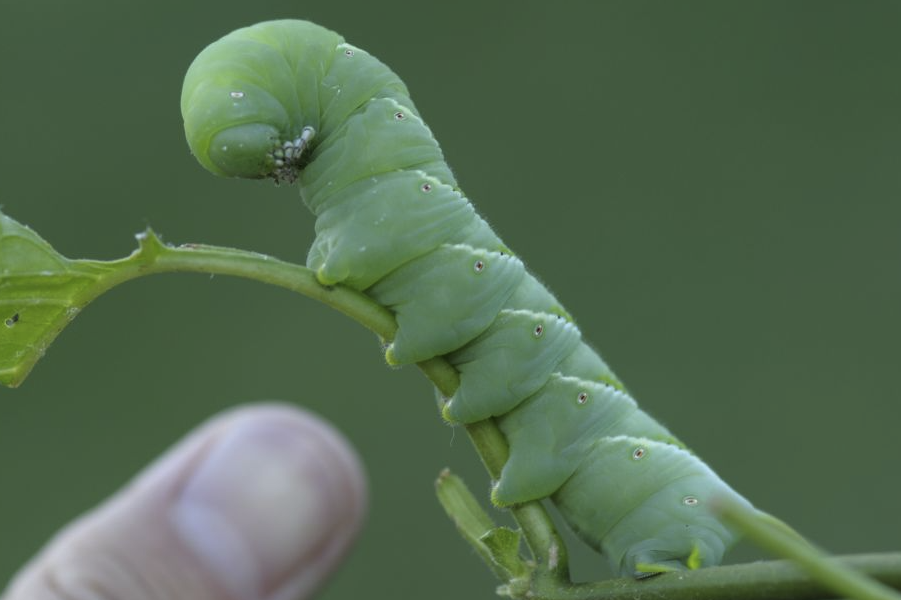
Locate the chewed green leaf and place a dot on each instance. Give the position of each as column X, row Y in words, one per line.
column 41, row 291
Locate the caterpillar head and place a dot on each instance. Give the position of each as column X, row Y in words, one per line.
column 250, row 100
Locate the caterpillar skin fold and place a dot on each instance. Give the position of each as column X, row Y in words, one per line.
column 292, row 101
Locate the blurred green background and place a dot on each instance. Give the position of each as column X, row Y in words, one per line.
column 712, row 188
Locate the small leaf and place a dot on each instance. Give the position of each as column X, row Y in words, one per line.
column 503, row 546
column 498, row 546
column 41, row 291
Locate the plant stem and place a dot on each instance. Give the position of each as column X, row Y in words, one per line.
column 780, row 539
column 541, row 536
column 765, row 580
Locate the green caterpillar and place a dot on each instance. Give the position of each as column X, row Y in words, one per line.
column 292, row 101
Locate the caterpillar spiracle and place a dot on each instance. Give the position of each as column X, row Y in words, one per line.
column 293, row 101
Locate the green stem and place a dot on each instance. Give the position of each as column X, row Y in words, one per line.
column 765, row 580
column 543, row 541
column 251, row 265
column 770, row 533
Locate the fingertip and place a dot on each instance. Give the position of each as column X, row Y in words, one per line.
column 281, row 494
column 260, row 502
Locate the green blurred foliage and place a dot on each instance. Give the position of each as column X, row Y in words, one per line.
column 712, row 188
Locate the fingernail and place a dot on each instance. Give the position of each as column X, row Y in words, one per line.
column 267, row 506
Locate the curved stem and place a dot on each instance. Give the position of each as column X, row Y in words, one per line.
column 541, row 536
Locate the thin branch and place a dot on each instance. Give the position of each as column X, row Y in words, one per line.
column 541, row 536
column 772, row 534
column 770, row 580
